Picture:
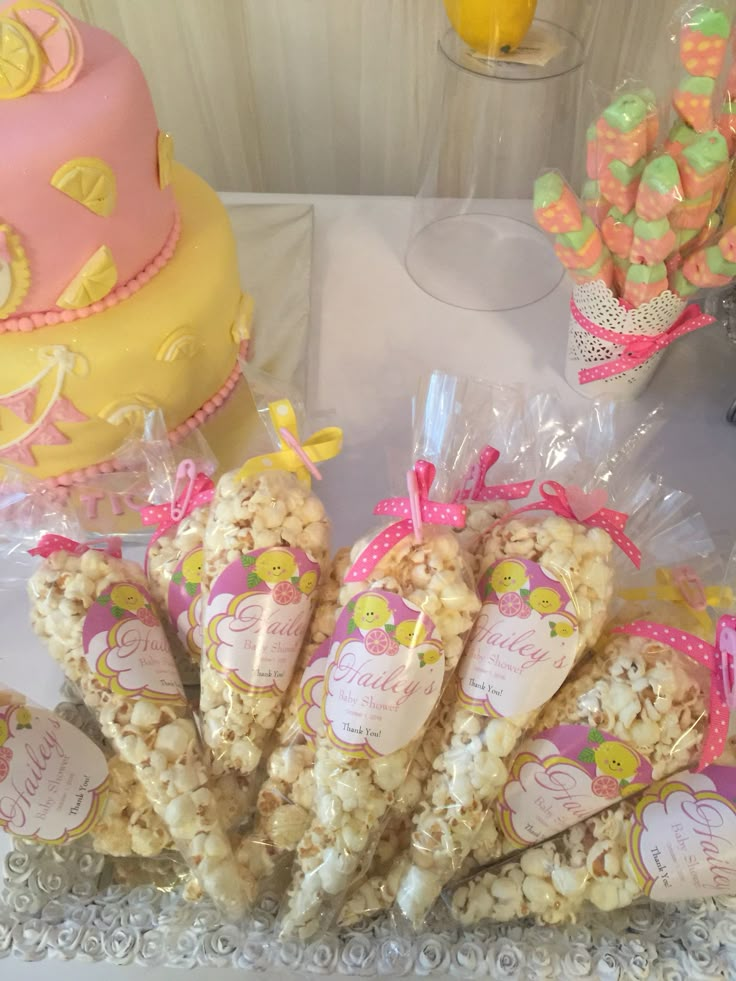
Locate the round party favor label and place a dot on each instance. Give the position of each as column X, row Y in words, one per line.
column 256, row 616
column 53, row 779
column 311, row 693
column 682, row 838
column 523, row 643
column 184, row 600
column 126, row 647
column 384, row 675
column 562, row 776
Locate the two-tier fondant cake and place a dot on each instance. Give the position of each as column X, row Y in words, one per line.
column 119, row 287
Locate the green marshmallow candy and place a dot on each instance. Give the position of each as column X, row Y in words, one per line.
column 709, row 21
column 625, row 174
column 707, row 152
column 661, row 174
column 626, row 112
column 548, row 189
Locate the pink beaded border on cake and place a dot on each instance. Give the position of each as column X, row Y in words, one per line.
column 32, row 321
column 209, row 408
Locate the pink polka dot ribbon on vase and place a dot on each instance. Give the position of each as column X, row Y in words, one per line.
column 414, row 510
column 718, row 658
column 476, row 489
column 57, row 543
column 587, row 509
column 638, row 348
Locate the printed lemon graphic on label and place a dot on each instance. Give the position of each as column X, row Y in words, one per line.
column 192, row 566
column 563, row 629
column 308, row 583
column 411, row 633
column 371, row 611
column 4, row 733
column 89, row 181
column 127, row 597
column 616, row 760
column 545, row 600
column 274, row 566
column 430, row 656
column 507, row 576
column 377, row 641
column 93, row 281
column 23, row 718
column 20, row 60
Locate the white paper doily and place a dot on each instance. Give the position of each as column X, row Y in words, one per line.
column 596, row 302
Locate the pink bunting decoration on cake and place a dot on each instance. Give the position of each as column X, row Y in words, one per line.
column 64, row 410
column 23, row 404
column 47, row 435
column 18, row 453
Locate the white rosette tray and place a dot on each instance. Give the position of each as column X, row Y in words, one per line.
column 65, row 902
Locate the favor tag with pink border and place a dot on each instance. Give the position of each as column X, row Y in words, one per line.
column 384, row 675
column 53, row 779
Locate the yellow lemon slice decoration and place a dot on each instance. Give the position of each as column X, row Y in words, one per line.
column 165, row 158
column 58, row 39
column 20, row 60
column 90, row 181
column 15, row 275
column 93, row 281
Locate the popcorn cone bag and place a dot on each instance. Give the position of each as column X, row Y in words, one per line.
column 407, row 605
column 639, row 847
column 94, row 613
column 266, row 545
column 545, row 584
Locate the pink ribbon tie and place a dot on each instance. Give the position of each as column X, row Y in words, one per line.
column 476, row 489
column 637, row 348
column 428, row 512
column 717, row 658
column 57, row 543
column 200, row 491
column 586, row 511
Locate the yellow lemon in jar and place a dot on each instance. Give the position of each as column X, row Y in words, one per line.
column 491, row 27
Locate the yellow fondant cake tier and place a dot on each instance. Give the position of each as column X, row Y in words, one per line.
column 71, row 393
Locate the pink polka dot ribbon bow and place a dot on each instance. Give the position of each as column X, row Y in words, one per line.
column 413, row 510
column 57, row 543
column 476, row 489
column 718, row 658
column 587, row 509
column 199, row 491
column 637, row 348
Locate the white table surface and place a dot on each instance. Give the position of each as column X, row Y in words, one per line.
column 373, row 332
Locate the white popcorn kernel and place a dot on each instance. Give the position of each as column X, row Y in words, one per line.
column 145, row 714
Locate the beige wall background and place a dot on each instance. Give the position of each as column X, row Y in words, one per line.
column 334, row 96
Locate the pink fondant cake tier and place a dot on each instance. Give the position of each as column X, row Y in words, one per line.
column 106, row 115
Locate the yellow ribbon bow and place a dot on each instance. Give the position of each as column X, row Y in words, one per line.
column 672, row 588
column 322, row 445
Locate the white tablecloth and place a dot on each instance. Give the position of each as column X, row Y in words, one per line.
column 373, row 332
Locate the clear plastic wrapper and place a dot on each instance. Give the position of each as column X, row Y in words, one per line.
column 546, row 584
column 406, row 608
column 614, row 857
column 673, row 844
column 93, row 611
column 175, row 557
column 285, row 802
column 633, row 712
column 650, row 206
column 267, row 543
